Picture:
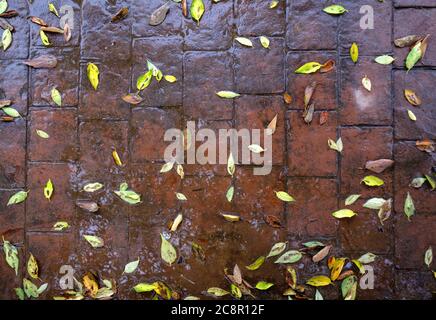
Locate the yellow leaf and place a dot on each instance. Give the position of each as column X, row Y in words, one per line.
column 44, row 38
column 93, row 74
column 32, row 267
column 373, row 181
column 337, row 268
column 116, row 158
column 366, row 82
column 284, row 196
column 344, row 213
column 48, row 189
column 411, row 115
column 264, row 41
column 354, row 52
column 244, row 41
column 309, row 67
column 256, row 264
column 90, row 284
column 319, row 281
column 170, row 78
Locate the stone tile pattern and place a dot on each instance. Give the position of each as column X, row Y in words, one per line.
column 205, row 59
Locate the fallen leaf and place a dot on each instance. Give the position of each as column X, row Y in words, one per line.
column 181, row 196
column 231, row 217
column 197, row 10
column 290, row 256
column 47, row 61
column 351, row 199
column 176, row 222
column 411, row 115
column 48, row 189
column 319, row 281
column 366, row 82
column 32, row 267
column 277, row 249
column 384, row 60
column 217, row 292
column 120, row 15
column 144, row 80
column 12, row 112
column 414, row 55
column 417, row 182
column 287, row 98
column 313, row 244
column 67, row 32
column 344, row 213
column 6, row 39
column 167, row 167
column 373, row 181
column 18, row 197
column 428, row 257
column 328, row 66
column 284, row 196
column 323, row 118
column 44, row 39
column 321, row 254
column 116, row 158
column 126, row 195
column 337, row 268
column 256, row 264
column 132, row 99
column 170, row 78
column 367, row 258
column 425, row 145
column 231, row 165
column 60, row 226
column 374, row 203
column 354, row 52
column 309, row 67
column 337, row 146
column 349, row 288
column 273, row 221
column 255, row 148
column 335, row 9
column 92, row 187
column 308, row 93
column 227, row 94
column 308, row 113
column 168, row 253
column 407, row 41
column 42, row 134
column 409, row 206
column 158, row 16
column 263, row 285
column 90, row 284
column 56, row 97
column 412, row 98
column 264, row 41
column 94, row 241
column 38, row 21
column 272, row 126
column 52, row 9
column 131, row 266
column 87, row 205
column 11, row 255
column 93, row 75
column 378, row 166
column 244, row 41
column 229, row 193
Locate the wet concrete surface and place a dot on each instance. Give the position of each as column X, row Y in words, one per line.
column 205, row 59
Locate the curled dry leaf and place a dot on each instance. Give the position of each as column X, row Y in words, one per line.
column 273, row 221
column 308, row 113
column 328, row 66
column 46, row 61
column 185, row 8
column 5, row 103
column 378, row 166
column 272, row 126
column 308, row 93
column 407, row 41
column 132, row 98
column 323, row 118
column 425, row 145
column 120, row 15
column 89, row 206
column 231, row 217
column 38, row 21
column 412, row 98
column 321, row 254
column 287, row 98
column 158, row 16
column 52, row 30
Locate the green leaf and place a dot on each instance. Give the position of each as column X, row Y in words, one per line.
column 56, row 97
column 126, row 195
column 290, row 256
column 11, row 255
column 18, row 197
column 93, row 75
column 12, row 112
column 308, row 68
column 313, row 244
column 264, row 41
column 60, row 226
column 197, row 10
column 318, row 295
column 44, row 39
column 42, row 134
column 319, row 281
column 277, row 249
column 367, row 258
column 284, row 196
column 30, row 289
column 236, row 292
column 131, row 266
column 344, row 213
column 337, row 146
column 409, row 206
column 244, row 41
column 351, row 199
column 52, row 9
column 48, row 189
column 144, row 287
column 263, row 285
column 168, row 253
column 92, row 187
column 20, row 293
column 94, row 241
column 385, row 60
column 218, row 292
column 144, row 80
column 374, row 203
column 256, row 264
column 3, row 6
column 227, row 94
column 414, row 55
column 349, row 288
column 373, row 181
column 42, row 288
column 32, row 267
column 335, row 9
column 418, row 182
column 431, row 181
column 6, row 39
column 229, row 194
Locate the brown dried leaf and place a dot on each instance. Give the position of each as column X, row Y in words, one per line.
column 67, row 32
column 378, row 166
column 424, row 45
column 385, row 211
column 321, row 254
column 308, row 113
column 158, row 16
column 323, row 118
column 7, row 119
column 291, row 277
column 308, row 93
column 9, row 14
column 407, row 41
column 345, row 274
column 328, row 66
column 120, row 15
column 412, row 98
column 38, row 21
column 5, row 103
column 273, row 221
column 425, row 145
column 273, row 125
column 89, row 206
column 237, row 275
column 52, row 30
column 132, row 99
column 44, row 61
column 6, row 25
column 287, row 97
column 185, row 8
